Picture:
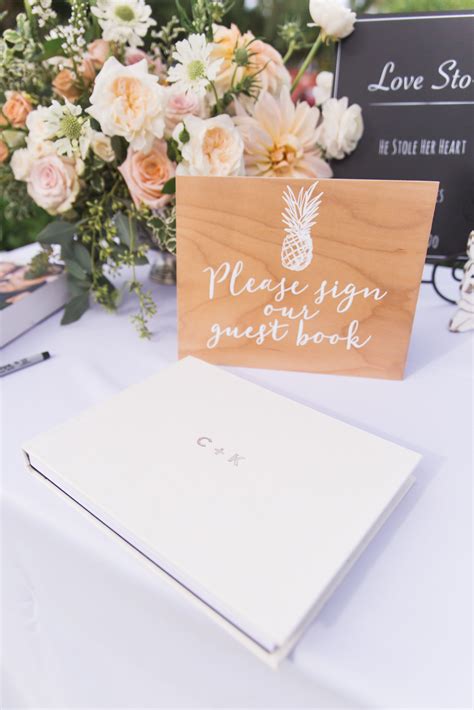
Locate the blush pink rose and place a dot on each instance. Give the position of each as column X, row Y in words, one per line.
column 178, row 106
column 53, row 183
column 146, row 173
column 98, row 51
column 134, row 55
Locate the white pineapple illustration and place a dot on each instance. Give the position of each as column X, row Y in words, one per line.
column 299, row 215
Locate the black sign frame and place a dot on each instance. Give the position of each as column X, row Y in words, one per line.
column 411, row 42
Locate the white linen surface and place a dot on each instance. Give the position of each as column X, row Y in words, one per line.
column 85, row 625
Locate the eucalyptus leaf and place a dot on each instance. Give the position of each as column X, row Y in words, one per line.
column 169, row 188
column 126, row 229
column 77, row 287
column 58, row 232
column 75, row 308
column 75, row 270
column 52, row 48
column 119, row 146
column 82, row 256
column 141, row 260
column 67, row 251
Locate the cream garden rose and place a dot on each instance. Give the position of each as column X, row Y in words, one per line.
column 129, row 102
column 333, row 17
column 341, row 129
column 53, row 183
column 146, row 174
column 215, row 147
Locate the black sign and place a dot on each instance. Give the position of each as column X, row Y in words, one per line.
column 413, row 76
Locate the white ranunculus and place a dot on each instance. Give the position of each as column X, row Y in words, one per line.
column 21, row 163
column 215, row 147
column 323, row 88
column 102, row 146
column 129, row 102
column 341, row 128
column 38, row 127
column 335, row 20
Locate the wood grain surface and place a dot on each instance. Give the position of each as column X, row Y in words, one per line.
column 370, row 238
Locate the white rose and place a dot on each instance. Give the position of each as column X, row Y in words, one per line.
column 215, row 147
column 129, row 102
column 102, row 146
column 341, row 128
column 21, row 163
column 335, row 20
column 323, row 88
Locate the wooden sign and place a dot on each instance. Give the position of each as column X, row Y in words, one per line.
column 298, row 274
column 413, row 75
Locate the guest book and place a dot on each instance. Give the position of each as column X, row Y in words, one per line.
column 250, row 504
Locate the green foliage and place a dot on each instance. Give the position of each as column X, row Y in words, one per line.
column 165, row 38
column 202, row 14
column 39, row 265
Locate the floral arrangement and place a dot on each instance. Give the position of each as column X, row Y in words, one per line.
column 98, row 116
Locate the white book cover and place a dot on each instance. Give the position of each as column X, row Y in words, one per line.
column 255, row 504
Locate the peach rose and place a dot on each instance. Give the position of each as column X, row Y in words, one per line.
column 178, row 106
column 66, row 86
column 87, row 70
column 16, row 108
column 53, row 183
column 98, row 51
column 145, row 175
column 3, row 152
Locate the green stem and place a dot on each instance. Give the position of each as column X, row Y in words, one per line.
column 290, row 50
column 308, row 60
column 218, row 101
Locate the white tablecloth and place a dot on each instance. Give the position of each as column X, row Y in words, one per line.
column 84, row 625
